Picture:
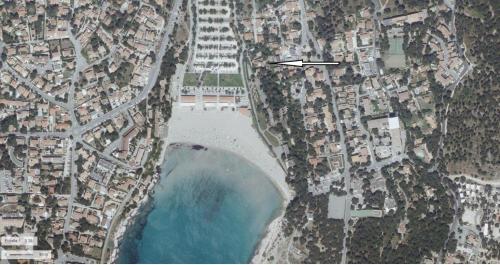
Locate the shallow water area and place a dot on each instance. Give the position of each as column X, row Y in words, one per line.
column 210, row 206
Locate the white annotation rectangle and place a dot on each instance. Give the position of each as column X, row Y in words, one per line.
column 25, row 254
column 20, row 240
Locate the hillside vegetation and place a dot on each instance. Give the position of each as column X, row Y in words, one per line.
column 473, row 139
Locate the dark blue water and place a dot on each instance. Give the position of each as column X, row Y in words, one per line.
column 210, row 206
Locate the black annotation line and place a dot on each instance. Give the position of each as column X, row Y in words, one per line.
column 301, row 63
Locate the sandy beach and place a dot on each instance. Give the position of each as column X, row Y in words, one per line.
column 228, row 130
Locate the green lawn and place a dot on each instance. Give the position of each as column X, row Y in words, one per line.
column 231, row 80
column 376, row 107
column 225, row 80
column 261, row 119
column 272, row 139
column 210, row 80
column 123, row 74
column 190, row 79
column 474, row 12
column 367, row 213
column 395, row 56
column 67, row 73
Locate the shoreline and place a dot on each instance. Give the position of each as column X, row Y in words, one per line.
column 272, row 227
column 273, row 230
column 229, row 131
column 131, row 217
column 127, row 221
column 285, row 195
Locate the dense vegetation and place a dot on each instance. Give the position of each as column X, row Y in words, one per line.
column 377, row 240
column 473, row 139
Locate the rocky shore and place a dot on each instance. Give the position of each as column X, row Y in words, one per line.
column 129, row 219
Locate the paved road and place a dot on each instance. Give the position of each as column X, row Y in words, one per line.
column 29, row 83
column 13, row 157
column 446, row 56
column 377, row 165
column 81, row 64
column 303, row 24
column 115, row 221
column 494, row 183
column 254, row 23
column 105, row 156
column 346, row 174
column 376, row 22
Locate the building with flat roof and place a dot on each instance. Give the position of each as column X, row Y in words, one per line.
column 392, row 127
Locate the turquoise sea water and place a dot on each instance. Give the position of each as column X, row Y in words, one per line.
column 210, row 206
